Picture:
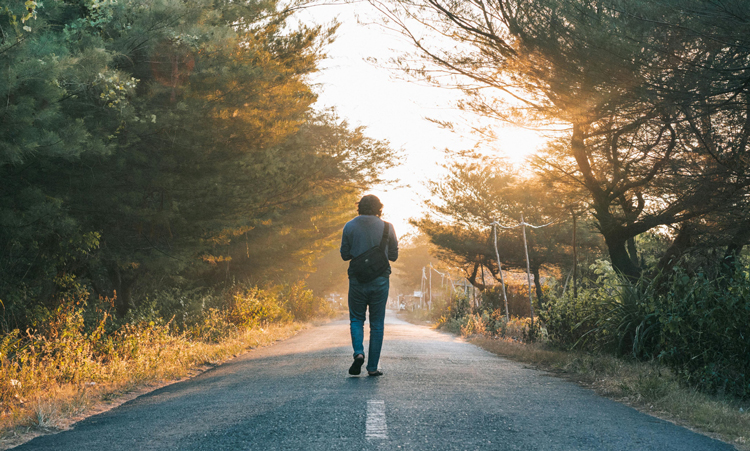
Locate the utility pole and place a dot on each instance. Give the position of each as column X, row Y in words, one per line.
column 429, row 306
column 528, row 269
column 502, row 279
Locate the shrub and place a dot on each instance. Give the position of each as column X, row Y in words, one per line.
column 518, row 299
column 460, row 305
column 705, row 333
column 610, row 314
column 570, row 320
column 253, row 306
column 213, row 327
column 628, row 324
column 302, row 303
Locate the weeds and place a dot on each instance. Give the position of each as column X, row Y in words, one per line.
column 676, row 346
column 649, row 386
column 80, row 354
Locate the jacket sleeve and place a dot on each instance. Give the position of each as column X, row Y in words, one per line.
column 346, row 245
column 392, row 245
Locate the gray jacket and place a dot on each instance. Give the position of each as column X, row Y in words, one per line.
column 364, row 232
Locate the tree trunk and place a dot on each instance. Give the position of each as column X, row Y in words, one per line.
column 681, row 243
column 632, row 250
column 123, row 290
column 538, row 287
column 473, row 277
column 620, row 258
column 575, row 258
column 729, row 262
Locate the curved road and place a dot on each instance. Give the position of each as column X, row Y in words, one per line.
column 438, row 393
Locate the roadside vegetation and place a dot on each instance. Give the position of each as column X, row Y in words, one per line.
column 167, row 191
column 631, row 219
column 671, row 354
column 82, row 354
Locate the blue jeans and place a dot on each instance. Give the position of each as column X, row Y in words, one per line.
column 361, row 295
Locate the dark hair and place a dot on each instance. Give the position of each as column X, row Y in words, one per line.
column 370, row 205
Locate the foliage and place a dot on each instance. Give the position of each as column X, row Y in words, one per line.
column 151, row 149
column 302, row 304
column 474, row 195
column 705, row 334
column 517, row 293
column 250, row 307
column 629, row 324
column 81, row 344
column 652, row 124
column 460, row 305
column 693, row 323
column 457, row 316
column 570, row 319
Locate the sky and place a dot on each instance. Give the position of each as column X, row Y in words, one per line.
column 393, row 108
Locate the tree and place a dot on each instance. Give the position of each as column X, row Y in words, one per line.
column 476, row 194
column 415, row 252
column 651, row 96
column 195, row 141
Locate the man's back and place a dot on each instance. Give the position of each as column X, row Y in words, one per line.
column 363, row 233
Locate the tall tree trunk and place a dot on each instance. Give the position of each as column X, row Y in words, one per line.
column 575, row 257
column 538, row 286
column 609, row 225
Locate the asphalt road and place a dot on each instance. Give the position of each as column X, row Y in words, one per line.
column 438, row 393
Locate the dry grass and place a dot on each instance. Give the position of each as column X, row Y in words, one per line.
column 35, row 402
column 647, row 386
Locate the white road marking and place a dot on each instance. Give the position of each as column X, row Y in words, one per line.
column 375, row 425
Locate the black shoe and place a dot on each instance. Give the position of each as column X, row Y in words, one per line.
column 375, row 373
column 356, row 367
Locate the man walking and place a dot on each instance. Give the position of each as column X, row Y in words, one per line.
column 361, row 235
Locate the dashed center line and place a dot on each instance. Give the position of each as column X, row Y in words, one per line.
column 376, row 428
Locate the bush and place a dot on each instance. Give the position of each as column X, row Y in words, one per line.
column 695, row 324
column 303, row 304
column 572, row 321
column 705, row 333
column 518, row 299
column 460, row 305
column 79, row 344
column 250, row 307
column 628, row 325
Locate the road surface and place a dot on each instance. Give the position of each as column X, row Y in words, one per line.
column 438, row 393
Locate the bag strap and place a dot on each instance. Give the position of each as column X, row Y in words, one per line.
column 384, row 240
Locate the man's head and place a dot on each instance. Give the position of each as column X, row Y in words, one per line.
column 370, row 205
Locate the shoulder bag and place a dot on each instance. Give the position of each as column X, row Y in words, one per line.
column 373, row 263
